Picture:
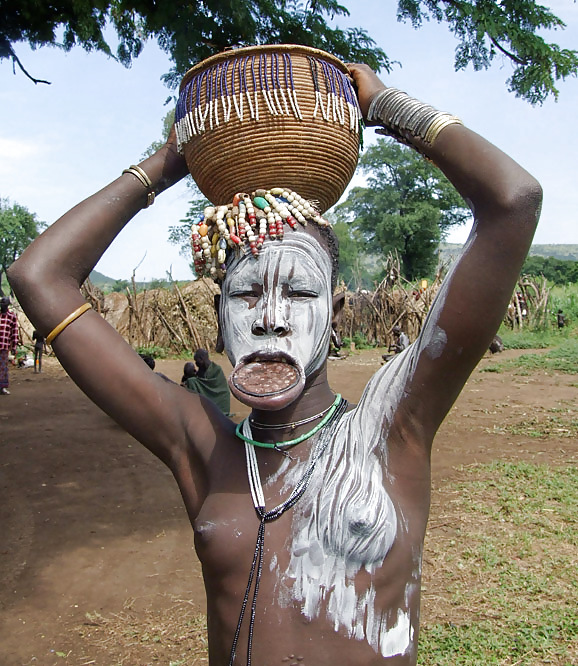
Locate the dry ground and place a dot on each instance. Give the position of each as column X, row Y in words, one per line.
column 96, row 555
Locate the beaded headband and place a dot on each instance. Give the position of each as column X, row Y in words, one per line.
column 257, row 83
column 243, row 226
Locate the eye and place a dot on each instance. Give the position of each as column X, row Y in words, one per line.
column 244, row 293
column 248, row 292
column 302, row 293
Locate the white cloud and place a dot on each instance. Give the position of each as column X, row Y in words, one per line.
column 16, row 149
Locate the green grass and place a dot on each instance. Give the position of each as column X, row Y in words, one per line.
column 525, row 339
column 563, row 358
column 509, row 575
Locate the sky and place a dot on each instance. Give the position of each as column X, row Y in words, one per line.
column 62, row 142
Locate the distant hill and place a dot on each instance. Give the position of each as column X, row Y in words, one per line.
column 101, row 280
column 567, row 252
column 107, row 283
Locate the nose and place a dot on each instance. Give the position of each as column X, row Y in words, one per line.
column 270, row 320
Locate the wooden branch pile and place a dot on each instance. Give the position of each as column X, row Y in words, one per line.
column 180, row 319
column 94, row 296
column 395, row 302
column 529, row 304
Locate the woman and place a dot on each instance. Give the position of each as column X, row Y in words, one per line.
column 311, row 554
column 8, row 341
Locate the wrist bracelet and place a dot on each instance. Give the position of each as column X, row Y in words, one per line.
column 406, row 118
column 139, row 173
column 65, row 322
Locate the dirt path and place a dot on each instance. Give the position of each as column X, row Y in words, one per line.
column 81, row 535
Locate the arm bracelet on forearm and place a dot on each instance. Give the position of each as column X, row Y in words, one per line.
column 404, row 117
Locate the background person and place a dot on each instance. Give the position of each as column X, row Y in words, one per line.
column 8, row 341
column 150, row 361
column 560, row 319
column 400, row 342
column 209, row 381
column 39, row 349
column 189, row 370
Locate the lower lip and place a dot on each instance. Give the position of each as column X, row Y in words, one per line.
column 266, row 384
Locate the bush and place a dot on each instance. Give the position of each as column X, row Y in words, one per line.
column 152, row 350
column 360, row 341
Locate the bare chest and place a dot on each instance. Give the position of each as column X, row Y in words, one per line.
column 340, row 555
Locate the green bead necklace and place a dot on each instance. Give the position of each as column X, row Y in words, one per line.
column 291, row 442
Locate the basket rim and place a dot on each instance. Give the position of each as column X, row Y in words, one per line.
column 262, row 48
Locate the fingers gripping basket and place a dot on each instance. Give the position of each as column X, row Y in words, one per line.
column 269, row 116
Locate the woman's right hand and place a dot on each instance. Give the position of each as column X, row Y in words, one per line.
column 368, row 85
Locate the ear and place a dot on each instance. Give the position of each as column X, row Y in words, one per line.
column 338, row 304
column 219, row 344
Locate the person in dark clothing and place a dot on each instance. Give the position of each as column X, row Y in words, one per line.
column 189, row 370
column 149, row 360
column 39, row 349
column 560, row 319
column 209, row 381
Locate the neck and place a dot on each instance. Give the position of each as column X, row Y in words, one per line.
column 315, row 399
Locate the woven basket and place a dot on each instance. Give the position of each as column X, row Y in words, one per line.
column 306, row 136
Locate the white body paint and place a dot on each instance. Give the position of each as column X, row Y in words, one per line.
column 348, row 522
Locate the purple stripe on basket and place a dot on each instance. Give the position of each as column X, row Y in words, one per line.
column 275, row 71
column 290, row 63
column 244, row 81
column 328, row 78
column 199, row 86
column 263, row 66
column 314, row 73
column 233, row 91
column 285, row 70
column 253, row 73
column 226, row 77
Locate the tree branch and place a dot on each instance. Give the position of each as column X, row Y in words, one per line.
column 512, row 56
column 16, row 60
column 507, row 53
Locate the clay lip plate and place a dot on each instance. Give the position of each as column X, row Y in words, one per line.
column 293, row 379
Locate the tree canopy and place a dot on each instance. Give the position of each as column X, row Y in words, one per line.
column 189, row 32
column 407, row 207
column 18, row 228
column 558, row 271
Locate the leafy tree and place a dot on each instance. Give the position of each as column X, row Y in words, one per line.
column 486, row 28
column 18, row 228
column 355, row 264
column 558, row 271
column 191, row 31
column 407, row 207
column 119, row 285
column 188, row 32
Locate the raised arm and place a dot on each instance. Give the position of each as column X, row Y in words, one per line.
column 505, row 201
column 47, row 280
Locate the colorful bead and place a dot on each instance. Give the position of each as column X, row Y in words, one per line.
column 246, row 224
column 260, row 202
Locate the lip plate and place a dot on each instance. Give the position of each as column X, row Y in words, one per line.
column 270, row 400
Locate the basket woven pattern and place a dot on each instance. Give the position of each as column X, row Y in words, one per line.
column 299, row 127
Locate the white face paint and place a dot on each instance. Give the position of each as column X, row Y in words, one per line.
column 279, row 302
